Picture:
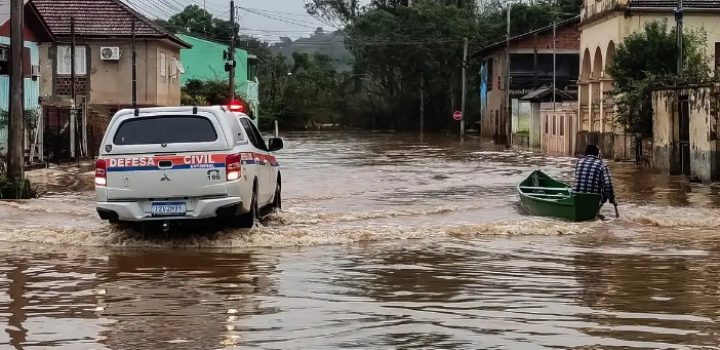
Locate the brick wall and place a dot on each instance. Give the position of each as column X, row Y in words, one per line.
column 568, row 38
column 63, row 86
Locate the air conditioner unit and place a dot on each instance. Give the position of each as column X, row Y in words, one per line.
column 35, row 70
column 4, row 54
column 110, row 53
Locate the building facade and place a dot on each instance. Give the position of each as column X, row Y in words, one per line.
column 103, row 69
column 531, row 68
column 604, row 24
column 685, row 131
column 35, row 33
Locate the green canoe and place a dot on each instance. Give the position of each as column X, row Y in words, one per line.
column 543, row 196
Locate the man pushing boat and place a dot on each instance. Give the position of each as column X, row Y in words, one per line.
column 592, row 175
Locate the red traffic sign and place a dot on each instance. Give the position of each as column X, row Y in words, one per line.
column 457, row 115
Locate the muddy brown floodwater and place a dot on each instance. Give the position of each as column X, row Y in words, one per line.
column 386, row 242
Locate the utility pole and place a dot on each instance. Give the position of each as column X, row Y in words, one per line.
column 74, row 130
column 464, row 87
column 508, row 118
column 231, row 54
column 554, row 62
column 679, row 33
column 16, row 122
column 134, row 69
column 422, row 104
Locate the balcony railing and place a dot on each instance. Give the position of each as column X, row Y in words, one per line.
column 600, row 7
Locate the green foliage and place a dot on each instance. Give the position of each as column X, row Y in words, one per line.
column 310, row 91
column 395, row 46
column 193, row 20
column 647, row 60
column 30, row 115
column 210, row 92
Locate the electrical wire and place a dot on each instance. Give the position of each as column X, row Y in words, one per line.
column 280, row 19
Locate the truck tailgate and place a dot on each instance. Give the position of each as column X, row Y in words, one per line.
column 163, row 177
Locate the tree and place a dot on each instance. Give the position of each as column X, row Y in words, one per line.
column 193, row 20
column 647, row 60
column 395, row 45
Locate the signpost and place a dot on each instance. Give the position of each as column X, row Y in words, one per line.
column 457, row 115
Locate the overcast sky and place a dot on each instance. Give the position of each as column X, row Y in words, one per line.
column 267, row 19
column 288, row 19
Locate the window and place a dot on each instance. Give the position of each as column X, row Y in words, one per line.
column 253, row 134
column 165, row 130
column 554, row 125
column 562, row 126
column 546, row 125
column 64, row 60
column 5, row 61
column 163, row 67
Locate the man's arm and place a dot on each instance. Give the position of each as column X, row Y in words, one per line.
column 608, row 189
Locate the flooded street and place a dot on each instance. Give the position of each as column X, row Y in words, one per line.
column 386, row 242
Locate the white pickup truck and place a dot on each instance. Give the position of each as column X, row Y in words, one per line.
column 182, row 163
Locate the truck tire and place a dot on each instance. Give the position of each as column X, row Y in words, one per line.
column 277, row 200
column 249, row 219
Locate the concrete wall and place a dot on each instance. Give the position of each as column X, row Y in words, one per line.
column 535, row 126
column 703, row 128
column 664, row 114
column 703, row 133
column 558, row 127
column 110, row 82
column 493, row 122
column 168, row 86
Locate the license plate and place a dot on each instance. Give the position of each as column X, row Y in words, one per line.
column 169, row 209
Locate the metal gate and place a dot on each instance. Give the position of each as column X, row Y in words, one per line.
column 57, row 133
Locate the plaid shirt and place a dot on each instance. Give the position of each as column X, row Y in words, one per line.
column 593, row 176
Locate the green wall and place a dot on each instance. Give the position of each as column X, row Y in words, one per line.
column 204, row 61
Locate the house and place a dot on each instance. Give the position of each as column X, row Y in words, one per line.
column 603, row 26
column 685, row 131
column 103, row 68
column 550, row 117
column 531, row 68
column 35, row 32
column 204, row 61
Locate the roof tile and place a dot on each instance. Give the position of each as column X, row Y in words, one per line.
column 698, row 4
column 95, row 18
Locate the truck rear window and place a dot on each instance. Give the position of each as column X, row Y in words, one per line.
column 165, row 130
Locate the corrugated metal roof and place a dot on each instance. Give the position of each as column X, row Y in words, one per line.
column 98, row 18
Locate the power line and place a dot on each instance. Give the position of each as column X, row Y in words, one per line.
column 147, row 5
column 280, row 19
column 274, row 15
column 142, row 9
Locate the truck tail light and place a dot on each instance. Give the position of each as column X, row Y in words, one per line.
column 233, row 167
column 101, row 173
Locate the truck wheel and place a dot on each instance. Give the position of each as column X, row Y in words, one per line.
column 248, row 220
